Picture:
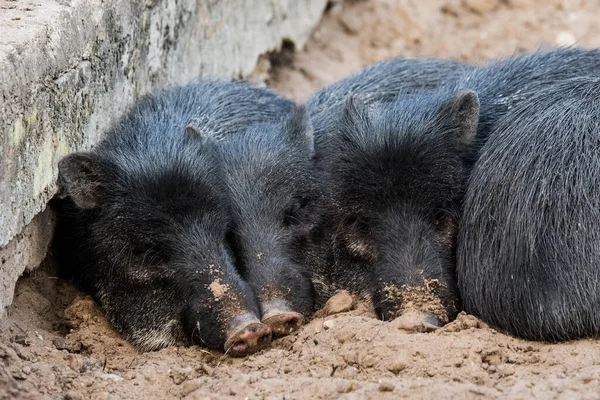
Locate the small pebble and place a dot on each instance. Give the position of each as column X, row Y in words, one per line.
column 23, row 340
column 113, row 377
column 565, row 39
column 398, row 362
column 72, row 395
column 180, row 375
column 190, row 386
column 344, row 387
column 386, row 387
column 368, row 361
column 340, row 302
column 328, row 324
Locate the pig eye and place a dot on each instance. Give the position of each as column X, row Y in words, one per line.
column 151, row 256
column 293, row 214
column 358, row 224
column 148, row 250
column 439, row 218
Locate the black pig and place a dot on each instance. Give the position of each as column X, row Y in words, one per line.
column 144, row 219
column 396, row 175
column 527, row 244
column 501, row 86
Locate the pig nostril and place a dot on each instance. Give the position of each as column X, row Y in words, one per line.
column 265, row 338
column 250, row 338
column 292, row 324
column 239, row 346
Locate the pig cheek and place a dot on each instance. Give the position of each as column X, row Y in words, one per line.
column 302, row 230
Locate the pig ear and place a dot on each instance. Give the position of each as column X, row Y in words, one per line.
column 81, row 177
column 464, row 114
column 193, row 133
column 300, row 130
column 354, row 118
column 355, row 111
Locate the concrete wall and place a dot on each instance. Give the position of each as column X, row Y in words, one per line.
column 68, row 68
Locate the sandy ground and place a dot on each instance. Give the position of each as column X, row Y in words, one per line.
column 55, row 343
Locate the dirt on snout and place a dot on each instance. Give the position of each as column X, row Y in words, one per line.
column 56, row 343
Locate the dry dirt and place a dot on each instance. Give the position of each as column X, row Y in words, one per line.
column 55, row 343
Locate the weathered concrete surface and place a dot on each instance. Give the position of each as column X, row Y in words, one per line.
column 68, row 68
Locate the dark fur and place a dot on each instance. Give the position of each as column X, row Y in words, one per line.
column 504, row 84
column 501, row 86
column 528, row 254
column 144, row 219
column 272, row 184
column 381, row 82
column 395, row 176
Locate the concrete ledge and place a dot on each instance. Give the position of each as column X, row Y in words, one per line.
column 68, row 68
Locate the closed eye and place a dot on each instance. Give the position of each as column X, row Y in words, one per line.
column 151, row 256
column 292, row 215
column 358, row 225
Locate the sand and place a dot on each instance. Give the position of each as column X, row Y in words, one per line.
column 55, row 342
